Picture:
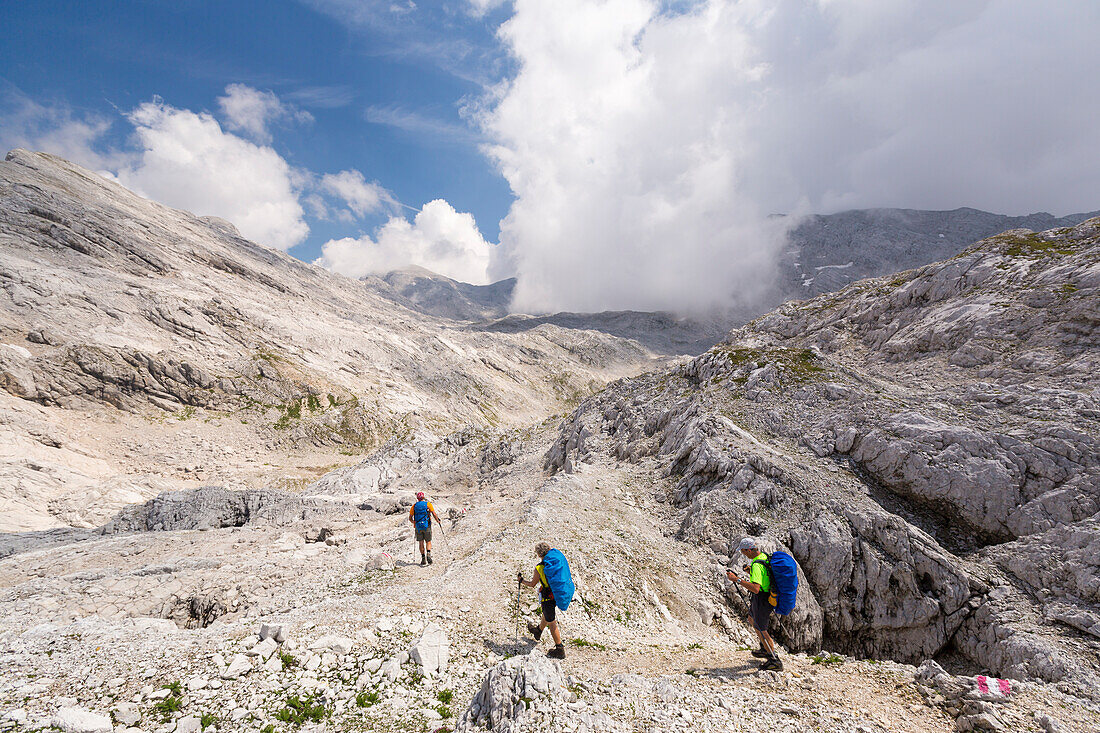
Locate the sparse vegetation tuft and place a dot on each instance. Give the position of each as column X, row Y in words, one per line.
column 298, row 711
column 827, row 659
column 585, row 643
column 366, row 699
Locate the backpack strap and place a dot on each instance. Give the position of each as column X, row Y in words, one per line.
column 545, row 582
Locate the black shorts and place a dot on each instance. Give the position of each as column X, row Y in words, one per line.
column 424, row 534
column 549, row 610
column 760, row 609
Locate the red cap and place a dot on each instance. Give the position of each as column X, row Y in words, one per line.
column 420, row 495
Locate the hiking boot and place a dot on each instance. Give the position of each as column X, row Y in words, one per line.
column 761, row 653
column 423, row 560
column 429, row 557
column 557, row 652
column 774, row 664
column 535, row 630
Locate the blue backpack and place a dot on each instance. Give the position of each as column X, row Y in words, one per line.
column 784, row 588
column 422, row 519
column 556, row 569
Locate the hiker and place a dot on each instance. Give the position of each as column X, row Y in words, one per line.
column 420, row 514
column 549, row 607
column 760, row 607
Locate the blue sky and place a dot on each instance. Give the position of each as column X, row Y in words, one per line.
column 610, row 154
column 379, row 105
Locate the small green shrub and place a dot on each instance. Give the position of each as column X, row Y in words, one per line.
column 171, row 704
column 695, row 645
column 298, row 711
column 287, row 659
column 366, row 699
column 445, row 696
column 586, row 643
column 444, row 711
column 827, row 659
column 207, row 720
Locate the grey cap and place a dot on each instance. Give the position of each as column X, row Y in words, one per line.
column 749, row 543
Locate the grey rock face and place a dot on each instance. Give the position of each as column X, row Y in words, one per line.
column 209, row 507
column 527, row 692
column 882, row 241
column 921, row 443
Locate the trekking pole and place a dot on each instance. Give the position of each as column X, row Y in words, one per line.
column 519, row 617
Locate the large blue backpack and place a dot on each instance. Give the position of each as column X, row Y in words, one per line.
column 784, row 588
column 556, row 569
column 422, row 519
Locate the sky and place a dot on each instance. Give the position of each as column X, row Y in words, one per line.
column 610, row 154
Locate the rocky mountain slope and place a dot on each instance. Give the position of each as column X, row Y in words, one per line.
column 829, row 251
column 487, row 308
column 824, row 253
column 143, row 348
column 926, row 445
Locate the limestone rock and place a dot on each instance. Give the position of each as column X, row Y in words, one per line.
column 81, row 720
column 431, row 651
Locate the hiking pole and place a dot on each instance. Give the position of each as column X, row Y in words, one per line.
column 519, row 617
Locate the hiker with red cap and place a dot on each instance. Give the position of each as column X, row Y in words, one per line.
column 420, row 514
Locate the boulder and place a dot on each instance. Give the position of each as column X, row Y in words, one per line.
column 273, row 631
column 239, row 666
column 431, row 651
column 81, row 720
column 336, row 644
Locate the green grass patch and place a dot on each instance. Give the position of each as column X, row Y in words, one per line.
column 827, row 659
column 169, row 705
column 298, row 711
column 207, row 720
column 366, row 699
column 624, row 617
column 288, row 659
column 695, row 645
column 585, row 643
column 800, row 364
column 445, row 696
column 1031, row 245
column 444, row 711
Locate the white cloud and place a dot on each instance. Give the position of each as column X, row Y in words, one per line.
column 251, row 111
column 440, row 239
column 55, row 128
column 647, row 142
column 361, row 196
column 186, row 160
column 430, row 130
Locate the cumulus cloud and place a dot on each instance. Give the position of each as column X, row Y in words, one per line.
column 187, row 160
column 648, row 142
column 251, row 111
column 361, row 196
column 439, row 238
